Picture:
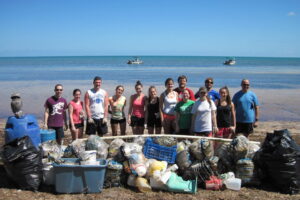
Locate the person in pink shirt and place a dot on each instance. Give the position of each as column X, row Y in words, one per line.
column 136, row 111
column 76, row 115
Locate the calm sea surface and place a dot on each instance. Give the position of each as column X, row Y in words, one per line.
column 269, row 73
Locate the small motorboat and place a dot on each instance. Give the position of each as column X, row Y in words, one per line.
column 230, row 61
column 136, row 61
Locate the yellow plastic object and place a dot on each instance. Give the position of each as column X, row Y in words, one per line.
column 157, row 166
column 142, row 184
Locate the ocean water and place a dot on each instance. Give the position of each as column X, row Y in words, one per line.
column 265, row 73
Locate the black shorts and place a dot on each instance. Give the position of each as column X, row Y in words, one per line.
column 117, row 121
column 77, row 126
column 136, row 121
column 59, row 132
column 97, row 126
column 184, row 132
column 245, row 128
column 154, row 122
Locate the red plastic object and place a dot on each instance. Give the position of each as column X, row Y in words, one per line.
column 214, row 183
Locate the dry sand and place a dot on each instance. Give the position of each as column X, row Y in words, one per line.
column 8, row 192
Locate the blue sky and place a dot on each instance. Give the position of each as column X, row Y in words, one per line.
column 156, row 27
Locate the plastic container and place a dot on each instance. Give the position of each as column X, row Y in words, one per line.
column 79, row 178
column 233, row 183
column 156, row 151
column 19, row 127
column 48, row 173
column 177, row 184
column 47, row 134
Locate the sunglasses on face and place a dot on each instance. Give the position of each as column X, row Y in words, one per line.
column 244, row 84
column 209, row 82
column 58, row 89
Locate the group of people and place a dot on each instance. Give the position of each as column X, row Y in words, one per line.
column 177, row 111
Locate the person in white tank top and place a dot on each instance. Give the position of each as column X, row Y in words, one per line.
column 96, row 105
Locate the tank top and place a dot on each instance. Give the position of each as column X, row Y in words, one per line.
column 117, row 108
column 77, row 108
column 138, row 107
column 97, row 103
column 223, row 116
column 169, row 104
column 153, row 109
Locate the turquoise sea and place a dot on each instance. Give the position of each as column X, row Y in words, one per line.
column 263, row 72
column 275, row 80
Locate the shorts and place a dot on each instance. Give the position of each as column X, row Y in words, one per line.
column 204, row 133
column 117, row 121
column 59, row 132
column 97, row 126
column 154, row 122
column 184, row 131
column 136, row 121
column 77, row 126
column 169, row 117
column 223, row 132
column 245, row 128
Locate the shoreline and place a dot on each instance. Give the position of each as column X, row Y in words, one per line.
column 275, row 104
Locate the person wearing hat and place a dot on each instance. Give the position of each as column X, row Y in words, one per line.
column 204, row 121
column 213, row 95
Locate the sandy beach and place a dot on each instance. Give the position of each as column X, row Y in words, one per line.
column 7, row 191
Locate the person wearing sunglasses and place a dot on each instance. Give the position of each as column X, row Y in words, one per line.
column 246, row 108
column 55, row 116
column 212, row 94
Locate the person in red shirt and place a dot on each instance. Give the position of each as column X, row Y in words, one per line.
column 182, row 80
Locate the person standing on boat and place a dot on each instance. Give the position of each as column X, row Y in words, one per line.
column 182, row 81
column 167, row 102
column 247, row 109
column 117, row 104
column 152, row 112
column 96, row 106
column 76, row 115
column 55, row 116
column 212, row 94
column 136, row 111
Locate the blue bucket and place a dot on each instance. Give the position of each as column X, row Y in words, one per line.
column 47, row 134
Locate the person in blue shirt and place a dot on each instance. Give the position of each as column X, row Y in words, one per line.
column 247, row 109
column 212, row 94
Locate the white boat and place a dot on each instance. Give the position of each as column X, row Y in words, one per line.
column 230, row 61
column 136, row 61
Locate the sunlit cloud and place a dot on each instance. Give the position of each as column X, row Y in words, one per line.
column 291, row 13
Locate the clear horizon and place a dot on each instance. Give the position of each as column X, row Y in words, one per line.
column 51, row 28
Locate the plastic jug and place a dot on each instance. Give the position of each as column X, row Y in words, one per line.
column 233, row 183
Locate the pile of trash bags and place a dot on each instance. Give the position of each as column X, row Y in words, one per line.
column 164, row 163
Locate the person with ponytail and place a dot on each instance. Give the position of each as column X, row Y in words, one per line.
column 204, row 121
column 225, row 114
column 136, row 111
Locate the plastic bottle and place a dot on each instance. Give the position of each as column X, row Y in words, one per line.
column 142, row 184
column 233, row 183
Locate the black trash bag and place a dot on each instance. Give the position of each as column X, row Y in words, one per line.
column 23, row 163
column 278, row 162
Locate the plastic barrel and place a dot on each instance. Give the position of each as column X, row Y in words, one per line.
column 19, row 127
column 47, row 134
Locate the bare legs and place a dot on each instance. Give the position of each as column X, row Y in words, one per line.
column 169, row 126
column 77, row 133
column 114, row 128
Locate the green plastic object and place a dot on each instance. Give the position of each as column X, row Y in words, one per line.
column 177, row 184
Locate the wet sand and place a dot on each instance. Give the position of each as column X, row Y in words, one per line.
column 276, row 104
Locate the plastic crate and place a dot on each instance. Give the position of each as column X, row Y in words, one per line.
column 79, row 178
column 47, row 134
column 158, row 152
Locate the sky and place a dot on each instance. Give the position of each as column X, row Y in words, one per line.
column 266, row 28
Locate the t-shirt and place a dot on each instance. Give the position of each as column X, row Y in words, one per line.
column 213, row 95
column 185, row 116
column 245, row 104
column 202, row 110
column 180, row 93
column 56, row 107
